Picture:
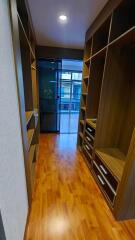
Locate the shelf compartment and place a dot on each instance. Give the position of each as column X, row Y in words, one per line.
column 87, row 50
column 126, row 39
column 30, row 134
column 29, row 115
column 117, row 116
column 26, row 37
column 27, row 81
column 100, row 38
column 83, row 109
column 100, row 53
column 114, row 160
column 123, row 19
column 92, row 122
column 86, row 78
column 95, row 84
column 84, row 94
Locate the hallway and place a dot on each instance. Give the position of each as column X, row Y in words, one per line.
column 67, row 204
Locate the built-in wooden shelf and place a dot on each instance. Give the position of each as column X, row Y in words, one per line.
column 84, row 94
column 114, row 160
column 100, row 53
column 108, row 65
column 124, row 39
column 31, row 155
column 87, row 61
column 29, row 115
column 86, row 77
column 92, row 122
column 30, row 136
column 83, row 108
column 31, row 50
column 81, row 134
column 82, row 122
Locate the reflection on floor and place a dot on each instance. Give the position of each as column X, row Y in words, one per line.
column 69, row 122
column 67, row 204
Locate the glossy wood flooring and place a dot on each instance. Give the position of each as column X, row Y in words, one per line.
column 67, row 204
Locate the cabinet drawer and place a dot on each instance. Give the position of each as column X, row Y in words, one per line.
column 106, row 189
column 90, row 130
column 113, row 182
column 87, row 148
column 87, row 155
column 89, row 139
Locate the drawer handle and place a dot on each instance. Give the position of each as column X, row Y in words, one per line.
column 89, row 129
column 101, row 180
column 88, row 139
column 87, row 147
column 104, row 171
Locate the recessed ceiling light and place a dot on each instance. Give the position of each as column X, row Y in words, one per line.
column 63, row 18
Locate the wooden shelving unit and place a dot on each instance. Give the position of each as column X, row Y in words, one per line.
column 28, row 116
column 100, row 37
column 86, row 78
column 108, row 134
column 30, row 136
column 26, row 66
column 114, row 160
column 92, row 122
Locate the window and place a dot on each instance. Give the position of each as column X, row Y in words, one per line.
column 77, row 76
column 66, row 76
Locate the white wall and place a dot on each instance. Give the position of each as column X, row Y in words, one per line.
column 13, row 194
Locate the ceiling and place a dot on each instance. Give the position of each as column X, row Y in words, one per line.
column 49, row 31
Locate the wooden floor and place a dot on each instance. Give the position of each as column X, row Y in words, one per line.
column 67, row 204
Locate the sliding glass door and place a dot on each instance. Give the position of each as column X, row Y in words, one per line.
column 70, row 100
column 49, row 95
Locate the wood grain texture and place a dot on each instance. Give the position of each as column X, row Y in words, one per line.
column 114, row 159
column 67, row 204
column 126, row 197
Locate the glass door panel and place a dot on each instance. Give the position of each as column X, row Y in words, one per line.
column 49, row 85
column 70, row 101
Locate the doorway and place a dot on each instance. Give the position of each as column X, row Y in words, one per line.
column 60, row 83
column 70, row 89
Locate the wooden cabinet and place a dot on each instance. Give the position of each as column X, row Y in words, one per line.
column 108, row 133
